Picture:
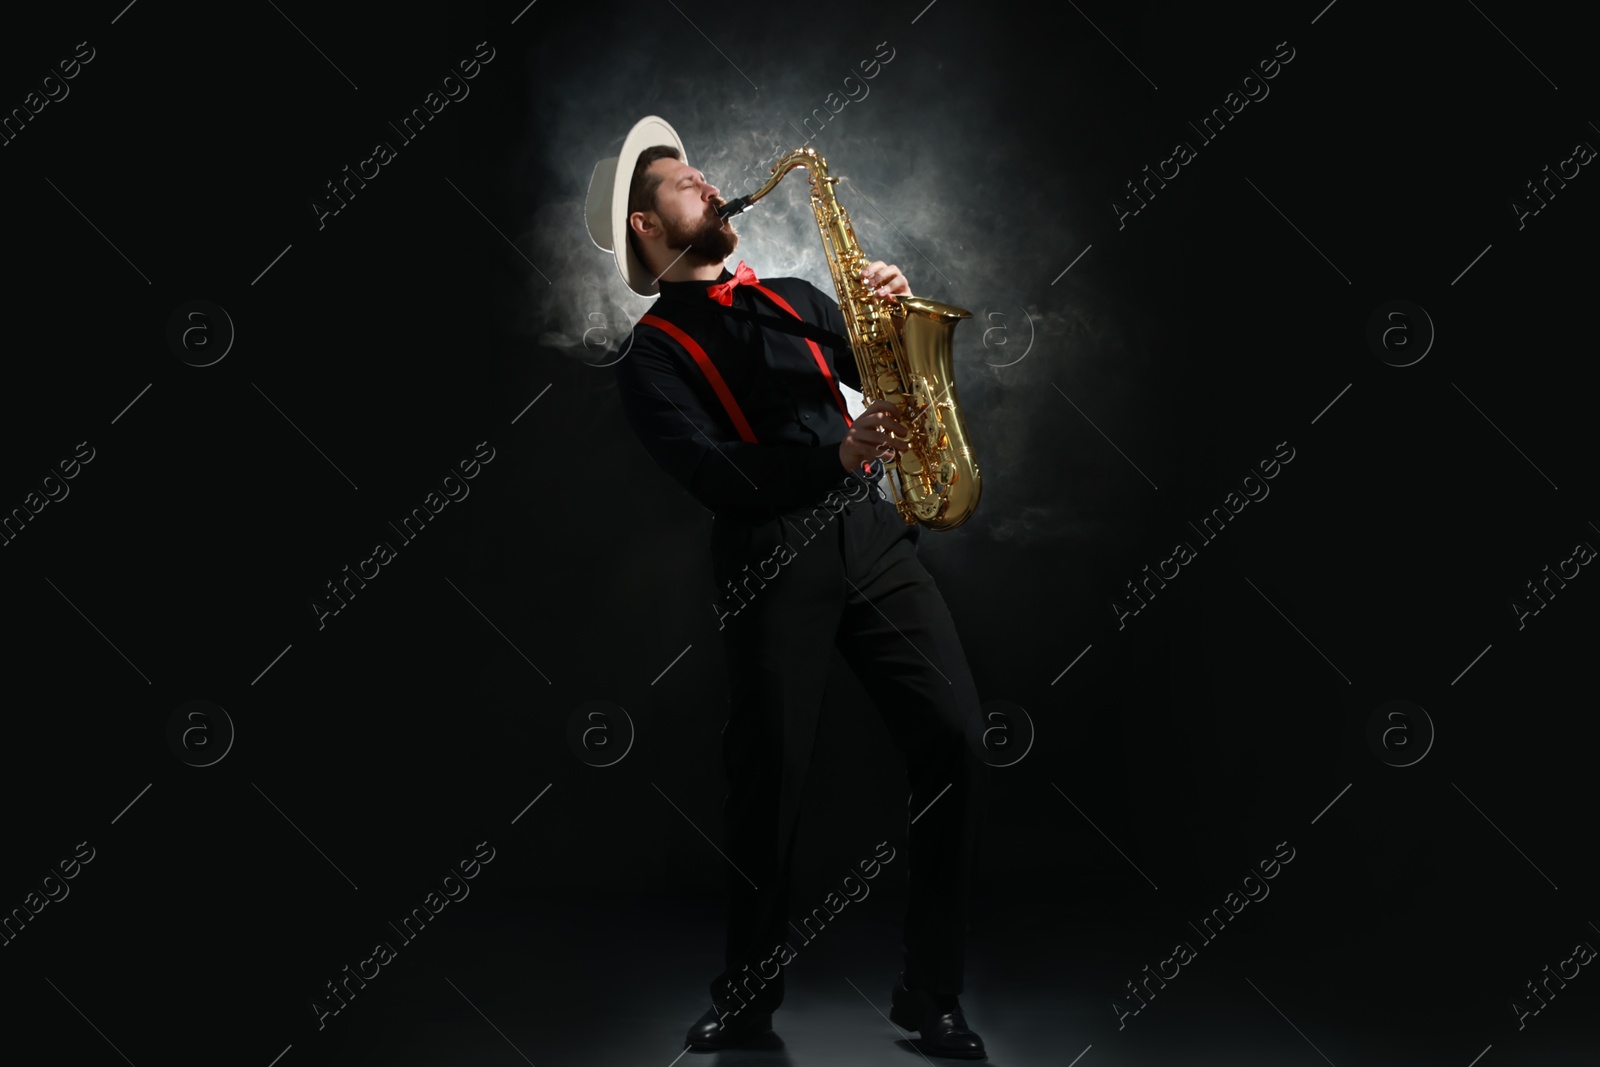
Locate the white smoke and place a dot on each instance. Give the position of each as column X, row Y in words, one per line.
column 984, row 234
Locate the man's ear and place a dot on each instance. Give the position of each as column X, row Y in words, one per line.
column 644, row 223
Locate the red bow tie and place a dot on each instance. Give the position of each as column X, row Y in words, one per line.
column 722, row 292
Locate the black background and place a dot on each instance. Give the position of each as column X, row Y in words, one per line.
column 1179, row 750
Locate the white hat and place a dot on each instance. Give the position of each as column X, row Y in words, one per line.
column 606, row 210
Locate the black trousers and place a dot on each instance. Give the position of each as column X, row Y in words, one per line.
column 850, row 580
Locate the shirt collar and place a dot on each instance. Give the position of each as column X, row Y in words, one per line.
column 692, row 289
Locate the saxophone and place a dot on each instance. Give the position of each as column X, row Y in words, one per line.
column 901, row 346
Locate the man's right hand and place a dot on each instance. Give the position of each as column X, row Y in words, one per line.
column 870, row 436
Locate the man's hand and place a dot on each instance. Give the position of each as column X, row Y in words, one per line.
column 887, row 278
column 875, row 434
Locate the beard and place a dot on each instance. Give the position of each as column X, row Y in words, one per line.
column 702, row 242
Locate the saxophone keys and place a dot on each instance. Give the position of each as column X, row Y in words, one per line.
column 909, row 463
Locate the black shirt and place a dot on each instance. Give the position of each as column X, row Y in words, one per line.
column 797, row 423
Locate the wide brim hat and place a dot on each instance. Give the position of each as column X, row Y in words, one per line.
column 606, row 210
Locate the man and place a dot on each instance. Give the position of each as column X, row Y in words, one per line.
column 728, row 388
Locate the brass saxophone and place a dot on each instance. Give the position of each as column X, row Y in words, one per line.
column 901, row 346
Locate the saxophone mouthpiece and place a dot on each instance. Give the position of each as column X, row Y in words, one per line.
column 730, row 208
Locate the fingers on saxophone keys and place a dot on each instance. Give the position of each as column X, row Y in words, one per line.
column 899, row 443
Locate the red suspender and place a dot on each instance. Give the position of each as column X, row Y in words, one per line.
column 816, row 353
column 720, row 387
column 709, row 369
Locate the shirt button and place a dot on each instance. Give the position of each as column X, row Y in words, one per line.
column 806, row 415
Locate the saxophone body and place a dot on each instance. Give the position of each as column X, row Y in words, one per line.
column 902, row 349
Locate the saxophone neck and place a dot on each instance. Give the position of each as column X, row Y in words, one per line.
column 798, row 157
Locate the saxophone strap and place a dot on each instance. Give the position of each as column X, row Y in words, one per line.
column 816, row 353
column 798, row 327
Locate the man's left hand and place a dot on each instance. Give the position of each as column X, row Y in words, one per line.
column 887, row 279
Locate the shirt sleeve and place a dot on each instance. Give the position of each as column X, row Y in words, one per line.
column 700, row 448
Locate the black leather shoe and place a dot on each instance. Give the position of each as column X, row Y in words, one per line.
column 712, row 1030
column 939, row 1020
